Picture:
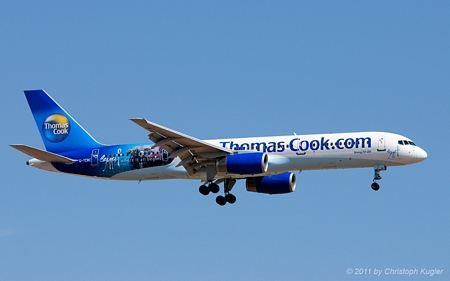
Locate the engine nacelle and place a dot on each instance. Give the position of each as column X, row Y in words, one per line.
column 244, row 164
column 277, row 184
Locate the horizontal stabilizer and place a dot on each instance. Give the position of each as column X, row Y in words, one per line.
column 42, row 154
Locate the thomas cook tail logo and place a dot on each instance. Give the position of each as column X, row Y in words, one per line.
column 56, row 128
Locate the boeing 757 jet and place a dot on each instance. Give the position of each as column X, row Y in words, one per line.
column 266, row 164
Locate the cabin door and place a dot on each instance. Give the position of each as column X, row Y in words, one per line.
column 381, row 143
column 94, row 157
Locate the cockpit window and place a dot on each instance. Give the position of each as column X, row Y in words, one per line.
column 406, row 142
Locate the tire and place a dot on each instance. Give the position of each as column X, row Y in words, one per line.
column 221, row 200
column 203, row 189
column 375, row 186
column 230, row 198
column 214, row 188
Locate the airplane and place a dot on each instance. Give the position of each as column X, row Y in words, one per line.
column 265, row 163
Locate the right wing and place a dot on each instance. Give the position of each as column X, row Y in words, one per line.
column 194, row 153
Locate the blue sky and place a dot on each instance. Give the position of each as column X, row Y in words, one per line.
column 219, row 69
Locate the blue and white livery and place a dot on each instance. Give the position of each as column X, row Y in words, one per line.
column 265, row 163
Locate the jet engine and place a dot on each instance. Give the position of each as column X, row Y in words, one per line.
column 276, row 184
column 244, row 163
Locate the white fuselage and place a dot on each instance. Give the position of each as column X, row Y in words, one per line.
column 303, row 152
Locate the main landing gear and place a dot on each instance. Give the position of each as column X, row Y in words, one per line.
column 221, row 200
column 375, row 186
column 214, row 188
column 211, row 187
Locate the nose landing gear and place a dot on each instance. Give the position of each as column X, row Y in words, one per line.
column 375, row 186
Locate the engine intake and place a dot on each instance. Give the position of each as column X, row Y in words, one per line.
column 244, row 164
column 277, row 184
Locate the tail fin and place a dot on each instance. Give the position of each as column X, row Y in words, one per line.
column 59, row 131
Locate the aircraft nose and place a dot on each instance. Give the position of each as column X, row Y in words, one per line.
column 421, row 155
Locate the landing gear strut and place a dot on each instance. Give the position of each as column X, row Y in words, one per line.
column 230, row 198
column 375, row 186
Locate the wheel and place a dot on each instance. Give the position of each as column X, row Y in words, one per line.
column 221, row 200
column 230, row 198
column 214, row 187
column 203, row 189
column 375, row 186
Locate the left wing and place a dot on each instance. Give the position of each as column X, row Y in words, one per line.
column 194, row 153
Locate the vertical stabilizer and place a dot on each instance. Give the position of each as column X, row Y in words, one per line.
column 59, row 131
